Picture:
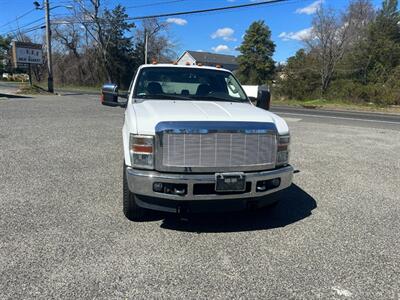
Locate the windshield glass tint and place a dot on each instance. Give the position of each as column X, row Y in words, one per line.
column 188, row 84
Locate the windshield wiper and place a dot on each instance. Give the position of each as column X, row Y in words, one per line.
column 165, row 96
column 193, row 98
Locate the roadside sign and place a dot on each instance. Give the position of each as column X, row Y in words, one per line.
column 27, row 53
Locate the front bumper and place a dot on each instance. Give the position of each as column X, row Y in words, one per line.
column 141, row 182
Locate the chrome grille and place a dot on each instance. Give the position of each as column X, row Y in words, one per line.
column 219, row 150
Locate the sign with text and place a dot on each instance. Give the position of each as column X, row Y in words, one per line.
column 27, row 53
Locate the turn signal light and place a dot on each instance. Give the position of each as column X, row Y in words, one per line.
column 142, row 149
column 283, row 150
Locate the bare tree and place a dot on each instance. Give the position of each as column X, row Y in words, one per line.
column 95, row 43
column 328, row 40
column 70, row 37
column 90, row 19
column 358, row 16
column 160, row 46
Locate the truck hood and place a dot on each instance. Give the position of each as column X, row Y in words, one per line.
column 150, row 112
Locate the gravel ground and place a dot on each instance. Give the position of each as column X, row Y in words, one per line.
column 335, row 234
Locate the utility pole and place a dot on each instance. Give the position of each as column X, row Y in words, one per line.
column 146, row 42
column 50, row 86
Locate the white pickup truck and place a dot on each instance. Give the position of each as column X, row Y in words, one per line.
column 193, row 141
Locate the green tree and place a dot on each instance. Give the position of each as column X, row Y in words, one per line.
column 359, row 52
column 5, row 46
column 389, row 10
column 300, row 78
column 256, row 65
column 118, row 45
column 360, row 15
column 376, row 56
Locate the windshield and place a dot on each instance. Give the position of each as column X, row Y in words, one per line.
column 188, row 84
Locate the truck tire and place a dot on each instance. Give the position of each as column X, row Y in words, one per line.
column 131, row 210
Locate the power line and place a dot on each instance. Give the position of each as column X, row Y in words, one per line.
column 191, row 12
column 23, row 26
column 21, row 16
column 28, row 30
column 34, row 28
column 199, row 11
column 154, row 4
column 17, row 18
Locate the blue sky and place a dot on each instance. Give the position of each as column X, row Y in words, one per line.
column 214, row 32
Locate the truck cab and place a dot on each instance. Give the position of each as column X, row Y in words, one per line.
column 193, row 141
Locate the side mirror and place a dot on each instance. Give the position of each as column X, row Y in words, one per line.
column 263, row 98
column 109, row 95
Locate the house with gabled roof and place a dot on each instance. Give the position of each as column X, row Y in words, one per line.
column 208, row 59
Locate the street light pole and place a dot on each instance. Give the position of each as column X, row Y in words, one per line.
column 50, row 86
column 46, row 7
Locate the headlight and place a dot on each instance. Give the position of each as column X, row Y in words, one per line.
column 141, row 148
column 282, row 157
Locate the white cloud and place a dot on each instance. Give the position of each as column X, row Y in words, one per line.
column 221, row 48
column 225, row 33
column 297, row 36
column 310, row 9
column 177, row 21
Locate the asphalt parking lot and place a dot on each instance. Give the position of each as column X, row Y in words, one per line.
column 335, row 234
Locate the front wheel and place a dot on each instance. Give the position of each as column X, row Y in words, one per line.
column 130, row 208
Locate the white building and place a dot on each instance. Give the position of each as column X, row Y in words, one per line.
column 208, row 59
